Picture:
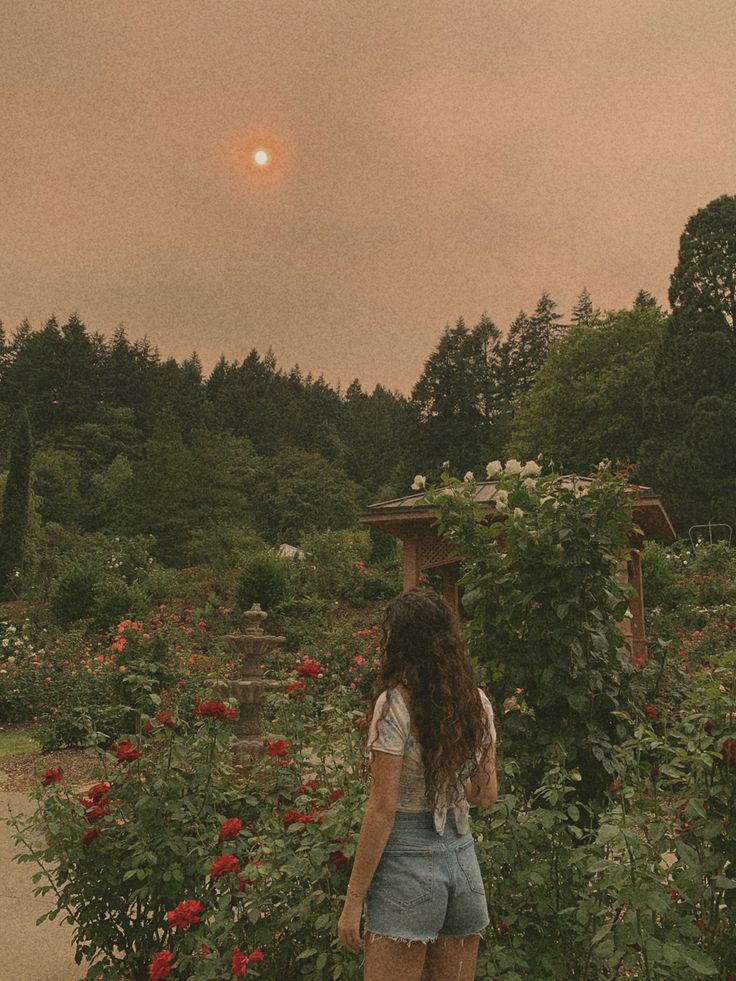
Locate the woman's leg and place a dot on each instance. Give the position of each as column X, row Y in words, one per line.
column 451, row 959
column 389, row 958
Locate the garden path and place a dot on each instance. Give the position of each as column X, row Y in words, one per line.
column 28, row 952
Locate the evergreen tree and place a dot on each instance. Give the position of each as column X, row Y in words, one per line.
column 688, row 455
column 455, row 402
column 703, row 283
column 583, row 313
column 644, row 300
column 522, row 355
column 14, row 522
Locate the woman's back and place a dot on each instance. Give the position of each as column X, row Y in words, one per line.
column 394, row 731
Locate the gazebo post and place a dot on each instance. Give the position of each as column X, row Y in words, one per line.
column 638, row 629
column 410, row 538
column 450, row 576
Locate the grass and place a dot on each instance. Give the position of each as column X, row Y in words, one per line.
column 16, row 741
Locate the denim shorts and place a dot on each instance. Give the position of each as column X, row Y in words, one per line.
column 426, row 886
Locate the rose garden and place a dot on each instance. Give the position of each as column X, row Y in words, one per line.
column 194, row 844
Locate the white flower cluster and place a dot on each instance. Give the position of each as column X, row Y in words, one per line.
column 513, row 468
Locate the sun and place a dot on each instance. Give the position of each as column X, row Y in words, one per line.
column 261, row 158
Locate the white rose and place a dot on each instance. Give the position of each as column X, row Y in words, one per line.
column 512, row 467
column 501, row 495
column 469, row 476
column 501, row 505
column 530, row 482
column 445, row 464
column 420, row 482
column 493, row 469
column 518, row 513
column 531, row 469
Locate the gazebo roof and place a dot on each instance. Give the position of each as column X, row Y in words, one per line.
column 397, row 514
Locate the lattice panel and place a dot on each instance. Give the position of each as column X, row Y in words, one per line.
column 433, row 551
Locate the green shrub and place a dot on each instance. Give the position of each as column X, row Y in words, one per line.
column 223, row 546
column 264, row 580
column 73, row 594
column 115, row 599
column 659, row 577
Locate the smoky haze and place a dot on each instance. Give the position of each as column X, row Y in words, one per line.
column 430, row 159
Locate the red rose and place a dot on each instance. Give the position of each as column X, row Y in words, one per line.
column 127, row 752
column 160, row 966
column 238, row 963
column 165, row 719
column 278, row 748
column 89, row 835
column 184, row 915
column 650, row 711
column 97, row 811
column 296, row 689
column 147, row 727
column 99, row 790
column 613, row 788
column 708, row 727
column 337, row 793
column 296, row 817
column 309, row 668
column 337, row 858
column 230, row 828
column 503, row 927
column 674, row 894
column 255, row 957
column 223, row 865
column 50, row 776
column 307, row 786
column 215, row 710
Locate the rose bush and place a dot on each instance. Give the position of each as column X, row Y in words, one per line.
column 201, row 873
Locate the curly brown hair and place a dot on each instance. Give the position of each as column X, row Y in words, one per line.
column 423, row 650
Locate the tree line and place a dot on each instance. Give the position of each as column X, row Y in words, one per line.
column 123, row 441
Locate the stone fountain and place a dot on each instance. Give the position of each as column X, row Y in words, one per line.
column 250, row 648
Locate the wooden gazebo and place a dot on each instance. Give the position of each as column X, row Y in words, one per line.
column 424, row 549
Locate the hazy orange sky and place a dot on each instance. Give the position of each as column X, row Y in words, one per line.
column 431, row 159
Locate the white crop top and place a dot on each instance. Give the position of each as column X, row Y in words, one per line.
column 392, row 734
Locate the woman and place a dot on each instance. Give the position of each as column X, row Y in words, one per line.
column 432, row 746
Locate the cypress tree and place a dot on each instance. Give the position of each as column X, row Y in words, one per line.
column 14, row 521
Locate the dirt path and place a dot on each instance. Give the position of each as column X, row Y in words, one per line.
column 29, row 952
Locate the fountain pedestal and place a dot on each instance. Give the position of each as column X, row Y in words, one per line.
column 250, row 648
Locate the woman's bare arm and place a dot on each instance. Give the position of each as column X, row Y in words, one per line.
column 377, row 823
column 378, row 819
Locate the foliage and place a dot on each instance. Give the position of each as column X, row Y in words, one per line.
column 88, row 588
column 146, row 839
column 456, row 399
column 15, row 506
column 688, row 453
column 543, row 597
column 704, row 279
column 305, row 493
column 264, row 580
column 621, row 884
column 586, row 401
